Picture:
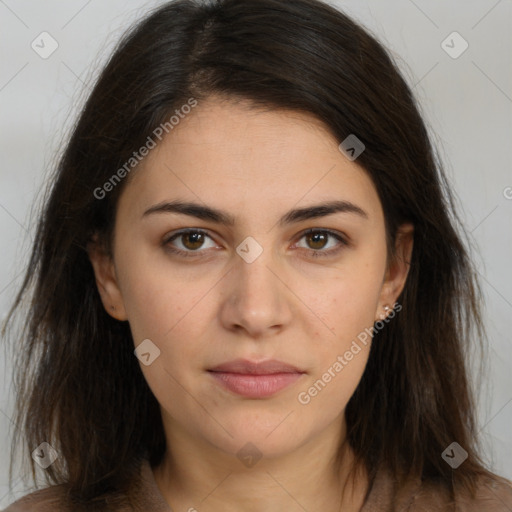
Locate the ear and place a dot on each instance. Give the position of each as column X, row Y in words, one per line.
column 398, row 268
column 106, row 279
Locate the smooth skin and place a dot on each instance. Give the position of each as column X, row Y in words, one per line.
column 303, row 301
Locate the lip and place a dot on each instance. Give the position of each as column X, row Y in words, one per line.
column 255, row 380
column 247, row 367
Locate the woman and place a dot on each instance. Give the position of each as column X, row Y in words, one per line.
column 250, row 292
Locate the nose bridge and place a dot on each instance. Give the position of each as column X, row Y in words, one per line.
column 254, row 280
column 256, row 294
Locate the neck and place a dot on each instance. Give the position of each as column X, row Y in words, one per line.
column 195, row 475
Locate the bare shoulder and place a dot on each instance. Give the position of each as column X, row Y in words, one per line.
column 491, row 495
column 50, row 499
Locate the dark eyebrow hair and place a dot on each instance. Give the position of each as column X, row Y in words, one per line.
column 220, row 217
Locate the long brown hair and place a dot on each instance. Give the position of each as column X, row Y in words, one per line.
column 79, row 386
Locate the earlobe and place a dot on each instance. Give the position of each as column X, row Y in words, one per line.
column 106, row 279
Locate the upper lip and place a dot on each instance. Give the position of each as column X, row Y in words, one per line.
column 244, row 366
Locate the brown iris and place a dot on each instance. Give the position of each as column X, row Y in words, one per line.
column 318, row 238
column 196, row 240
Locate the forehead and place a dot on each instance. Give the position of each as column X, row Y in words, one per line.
column 229, row 153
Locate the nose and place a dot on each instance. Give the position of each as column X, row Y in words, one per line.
column 257, row 296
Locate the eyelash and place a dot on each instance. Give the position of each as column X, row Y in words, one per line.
column 312, row 252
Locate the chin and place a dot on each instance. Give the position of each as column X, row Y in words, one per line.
column 270, row 438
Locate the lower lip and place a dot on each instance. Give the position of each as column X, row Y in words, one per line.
column 255, row 386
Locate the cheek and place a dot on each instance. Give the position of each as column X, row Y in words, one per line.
column 345, row 301
column 340, row 356
column 165, row 307
column 326, row 395
column 155, row 296
column 347, row 306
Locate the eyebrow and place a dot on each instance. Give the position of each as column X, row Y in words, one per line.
column 219, row 217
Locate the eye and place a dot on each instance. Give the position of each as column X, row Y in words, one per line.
column 191, row 241
column 317, row 240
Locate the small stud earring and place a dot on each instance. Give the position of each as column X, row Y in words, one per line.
column 385, row 314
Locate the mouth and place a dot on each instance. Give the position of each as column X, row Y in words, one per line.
column 255, row 380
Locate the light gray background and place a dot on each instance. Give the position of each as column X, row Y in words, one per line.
column 466, row 101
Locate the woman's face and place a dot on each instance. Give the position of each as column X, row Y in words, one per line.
column 257, row 288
